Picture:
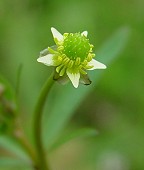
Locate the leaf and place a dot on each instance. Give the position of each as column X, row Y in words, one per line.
column 68, row 98
column 114, row 45
column 12, row 146
column 80, row 133
column 11, row 162
column 9, row 92
column 8, row 106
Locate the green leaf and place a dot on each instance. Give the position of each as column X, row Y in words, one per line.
column 8, row 106
column 69, row 98
column 80, row 133
column 12, row 146
column 9, row 92
column 11, row 162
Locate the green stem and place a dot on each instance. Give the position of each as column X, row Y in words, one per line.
column 43, row 165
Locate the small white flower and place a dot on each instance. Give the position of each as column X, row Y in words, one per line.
column 71, row 56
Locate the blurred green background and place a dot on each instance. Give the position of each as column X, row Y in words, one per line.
column 115, row 107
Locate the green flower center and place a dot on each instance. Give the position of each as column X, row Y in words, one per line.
column 73, row 53
column 76, row 45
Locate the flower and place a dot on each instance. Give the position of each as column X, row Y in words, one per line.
column 71, row 56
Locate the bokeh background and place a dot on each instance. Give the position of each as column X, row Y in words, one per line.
column 115, row 107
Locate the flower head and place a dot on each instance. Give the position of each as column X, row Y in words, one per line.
column 71, row 56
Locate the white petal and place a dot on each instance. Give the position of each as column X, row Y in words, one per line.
column 74, row 77
column 56, row 34
column 96, row 65
column 85, row 33
column 47, row 60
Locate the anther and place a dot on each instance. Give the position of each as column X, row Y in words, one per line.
column 66, row 60
column 63, row 56
column 88, row 67
column 80, row 66
column 60, row 48
column 91, row 46
column 77, row 62
column 85, row 62
column 52, row 51
column 59, row 68
column 62, row 71
column 89, row 57
column 70, row 64
column 59, row 58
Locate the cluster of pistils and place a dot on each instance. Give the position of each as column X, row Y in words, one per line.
column 70, row 49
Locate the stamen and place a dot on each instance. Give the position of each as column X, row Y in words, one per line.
column 80, row 66
column 52, row 51
column 59, row 68
column 66, row 60
column 65, row 35
column 62, row 72
column 60, row 48
column 59, row 58
column 70, row 64
column 64, row 56
column 78, row 60
column 89, row 57
column 91, row 46
column 88, row 67
column 85, row 62
column 93, row 55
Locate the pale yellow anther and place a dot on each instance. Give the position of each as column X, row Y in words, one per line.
column 52, row 51
column 60, row 48
column 88, row 67
column 70, row 64
column 77, row 62
column 66, row 60
column 65, row 34
column 80, row 66
column 62, row 72
column 59, row 68
column 91, row 46
column 59, row 58
column 63, row 56
column 85, row 62
column 89, row 57
column 93, row 55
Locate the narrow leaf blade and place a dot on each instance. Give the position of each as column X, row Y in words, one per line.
column 80, row 133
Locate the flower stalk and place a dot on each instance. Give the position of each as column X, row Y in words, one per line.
column 38, row 114
column 71, row 57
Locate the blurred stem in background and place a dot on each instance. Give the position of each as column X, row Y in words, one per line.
column 38, row 113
